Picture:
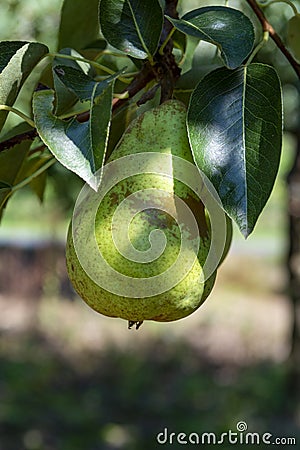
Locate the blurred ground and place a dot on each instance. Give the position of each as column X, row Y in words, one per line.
column 74, row 380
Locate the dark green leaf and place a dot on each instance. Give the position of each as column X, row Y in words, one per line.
column 80, row 147
column 98, row 44
column 64, row 98
column 12, row 161
column 21, row 128
column 235, row 130
column 132, row 26
column 120, row 121
column 225, row 27
column 8, row 50
column 82, row 85
column 5, row 192
column 16, row 165
column 180, row 41
column 38, row 185
column 11, row 164
column 189, row 56
column 32, row 164
column 17, row 59
column 79, row 24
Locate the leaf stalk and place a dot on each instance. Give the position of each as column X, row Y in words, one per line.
column 18, row 113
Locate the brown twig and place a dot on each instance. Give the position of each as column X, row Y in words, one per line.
column 268, row 27
column 29, row 135
column 167, row 72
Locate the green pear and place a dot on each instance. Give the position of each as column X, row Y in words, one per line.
column 161, row 130
column 293, row 35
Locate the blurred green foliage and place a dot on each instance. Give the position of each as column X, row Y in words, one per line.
column 32, row 20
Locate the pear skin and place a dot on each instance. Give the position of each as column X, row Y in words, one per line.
column 159, row 130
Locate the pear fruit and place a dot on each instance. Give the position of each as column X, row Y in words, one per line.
column 161, row 130
column 293, row 35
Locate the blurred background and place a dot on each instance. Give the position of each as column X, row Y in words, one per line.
column 71, row 379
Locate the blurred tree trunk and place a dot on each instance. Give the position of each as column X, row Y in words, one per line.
column 293, row 262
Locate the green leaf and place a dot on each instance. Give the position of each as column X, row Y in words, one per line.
column 132, row 26
column 229, row 29
column 31, row 165
column 189, row 55
column 5, row 192
column 80, row 147
column 17, row 59
column 64, row 98
column 38, row 185
column 235, row 130
column 98, row 45
column 11, row 164
column 20, row 128
column 17, row 166
column 79, row 24
column 82, row 85
column 180, row 41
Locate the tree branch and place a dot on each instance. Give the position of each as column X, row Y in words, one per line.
column 165, row 71
column 29, row 135
column 268, row 27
